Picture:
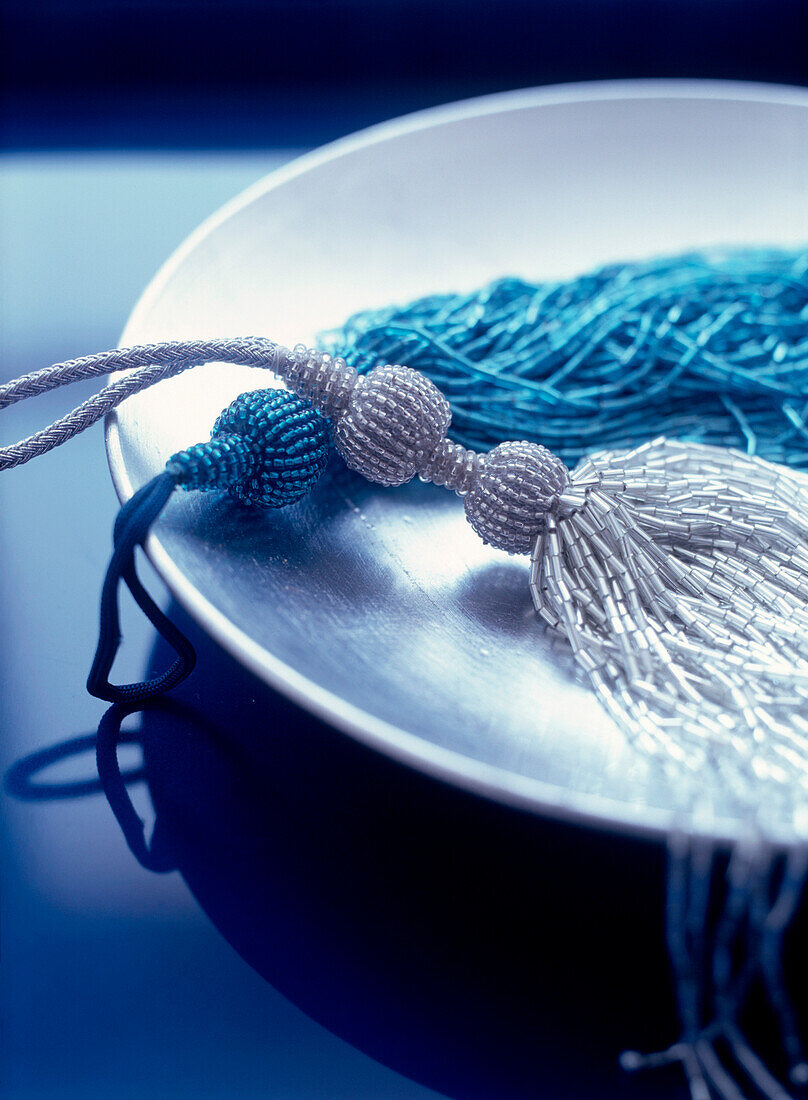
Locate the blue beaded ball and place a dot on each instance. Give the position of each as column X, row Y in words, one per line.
column 268, row 448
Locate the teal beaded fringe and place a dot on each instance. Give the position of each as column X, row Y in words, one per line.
column 710, row 347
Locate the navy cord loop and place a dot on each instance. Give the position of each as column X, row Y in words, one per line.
column 131, row 530
column 268, row 448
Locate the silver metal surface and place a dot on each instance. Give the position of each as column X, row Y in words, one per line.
column 379, row 608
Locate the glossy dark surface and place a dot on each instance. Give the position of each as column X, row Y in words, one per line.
column 312, row 920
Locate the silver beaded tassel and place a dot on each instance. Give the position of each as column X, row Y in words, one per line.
column 678, row 572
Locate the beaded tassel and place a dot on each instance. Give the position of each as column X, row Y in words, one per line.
column 679, row 574
column 677, row 571
column 709, row 346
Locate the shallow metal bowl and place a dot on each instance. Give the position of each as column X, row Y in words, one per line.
column 379, row 609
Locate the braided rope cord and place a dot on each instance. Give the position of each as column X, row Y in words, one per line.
column 149, row 364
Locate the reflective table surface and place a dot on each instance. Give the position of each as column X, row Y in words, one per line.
column 300, row 916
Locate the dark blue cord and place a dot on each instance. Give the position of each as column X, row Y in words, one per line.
column 132, row 527
column 268, row 448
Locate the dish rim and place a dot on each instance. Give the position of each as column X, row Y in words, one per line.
column 445, row 765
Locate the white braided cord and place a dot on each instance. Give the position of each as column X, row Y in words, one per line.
column 149, row 363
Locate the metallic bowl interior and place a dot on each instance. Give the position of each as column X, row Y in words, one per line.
column 379, row 609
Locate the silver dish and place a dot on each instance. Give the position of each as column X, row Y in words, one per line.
column 379, row 609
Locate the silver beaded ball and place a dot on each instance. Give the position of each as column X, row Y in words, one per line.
column 517, row 485
column 394, row 421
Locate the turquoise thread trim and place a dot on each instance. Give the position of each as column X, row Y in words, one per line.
column 710, row 347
